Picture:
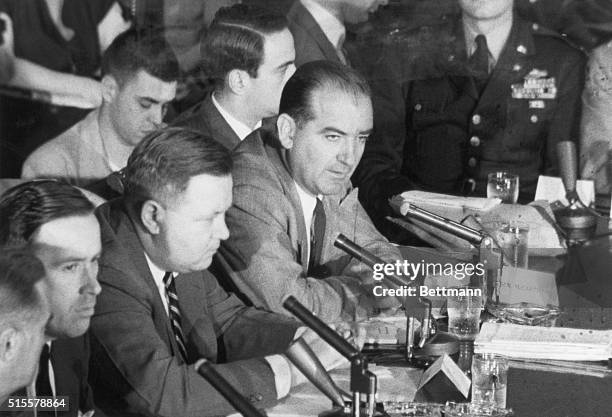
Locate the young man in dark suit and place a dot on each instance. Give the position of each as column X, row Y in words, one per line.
column 56, row 222
column 248, row 53
column 160, row 310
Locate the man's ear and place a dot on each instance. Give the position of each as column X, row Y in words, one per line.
column 238, row 81
column 287, row 130
column 151, row 214
column 110, row 87
column 10, row 340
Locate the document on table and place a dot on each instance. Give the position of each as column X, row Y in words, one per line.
column 534, row 342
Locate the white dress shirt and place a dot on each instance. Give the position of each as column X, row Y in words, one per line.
column 308, row 202
column 496, row 40
column 241, row 130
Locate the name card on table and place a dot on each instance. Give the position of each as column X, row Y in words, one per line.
column 552, row 189
column 443, row 381
column 520, row 285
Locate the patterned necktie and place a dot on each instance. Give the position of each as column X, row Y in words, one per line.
column 479, row 62
column 317, row 234
column 175, row 314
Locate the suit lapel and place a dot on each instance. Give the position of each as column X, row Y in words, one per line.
column 220, row 130
column 302, row 18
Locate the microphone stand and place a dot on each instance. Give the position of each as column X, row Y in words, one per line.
column 362, row 380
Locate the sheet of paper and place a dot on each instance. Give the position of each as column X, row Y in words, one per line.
column 522, row 285
column 552, row 189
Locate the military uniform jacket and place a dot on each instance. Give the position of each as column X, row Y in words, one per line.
column 434, row 131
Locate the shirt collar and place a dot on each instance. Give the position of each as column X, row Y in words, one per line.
column 241, row 130
column 496, row 39
column 330, row 25
column 157, row 272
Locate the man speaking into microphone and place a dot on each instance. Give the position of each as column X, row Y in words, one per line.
column 160, row 310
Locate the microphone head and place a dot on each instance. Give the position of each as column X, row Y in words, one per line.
column 568, row 167
column 300, row 354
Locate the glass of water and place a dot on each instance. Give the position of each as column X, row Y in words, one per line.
column 513, row 239
column 464, row 312
column 504, row 186
column 489, row 379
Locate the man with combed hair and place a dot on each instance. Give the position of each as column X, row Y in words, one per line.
column 56, row 222
column 23, row 316
column 140, row 73
column 293, row 196
column 161, row 310
column 248, row 52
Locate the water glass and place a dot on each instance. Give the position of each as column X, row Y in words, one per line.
column 504, row 186
column 489, row 379
column 464, row 314
column 513, row 239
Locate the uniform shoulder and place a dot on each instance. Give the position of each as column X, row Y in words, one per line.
column 553, row 39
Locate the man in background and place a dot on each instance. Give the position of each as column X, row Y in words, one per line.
column 140, row 73
column 248, row 53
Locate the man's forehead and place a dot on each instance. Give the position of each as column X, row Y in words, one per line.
column 74, row 233
column 278, row 46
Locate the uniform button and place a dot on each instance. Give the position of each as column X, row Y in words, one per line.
column 475, row 141
column 516, row 67
column 533, row 118
column 521, row 49
column 533, row 1
column 476, row 119
column 472, row 162
column 535, row 26
column 418, row 107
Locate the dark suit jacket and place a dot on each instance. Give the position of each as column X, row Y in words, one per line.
column 311, row 44
column 205, row 118
column 135, row 365
column 433, row 130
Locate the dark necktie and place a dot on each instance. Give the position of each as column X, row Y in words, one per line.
column 175, row 314
column 479, row 62
column 317, row 234
column 43, row 383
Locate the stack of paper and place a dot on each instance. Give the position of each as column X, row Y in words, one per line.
column 424, row 198
column 532, row 342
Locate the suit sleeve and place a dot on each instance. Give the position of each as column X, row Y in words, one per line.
column 565, row 124
column 378, row 175
column 132, row 361
column 596, row 127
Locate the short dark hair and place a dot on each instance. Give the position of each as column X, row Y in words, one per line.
column 136, row 50
column 162, row 164
column 27, row 206
column 235, row 40
column 296, row 98
column 20, row 303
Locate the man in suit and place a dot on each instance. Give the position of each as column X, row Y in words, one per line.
column 23, row 316
column 161, row 310
column 293, row 196
column 491, row 92
column 140, row 74
column 318, row 27
column 248, row 54
column 56, row 222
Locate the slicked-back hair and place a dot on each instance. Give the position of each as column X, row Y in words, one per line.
column 296, row 98
column 235, row 40
column 136, row 50
column 162, row 164
column 19, row 301
column 27, row 206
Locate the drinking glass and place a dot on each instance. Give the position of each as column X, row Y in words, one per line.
column 489, row 379
column 513, row 239
column 503, row 185
column 464, row 313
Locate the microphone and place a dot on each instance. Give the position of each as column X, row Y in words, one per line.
column 300, row 354
column 319, row 327
column 576, row 219
column 236, row 399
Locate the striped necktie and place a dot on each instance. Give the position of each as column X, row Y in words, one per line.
column 317, row 234
column 175, row 314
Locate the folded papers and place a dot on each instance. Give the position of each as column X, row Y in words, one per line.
column 472, row 203
column 554, row 343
